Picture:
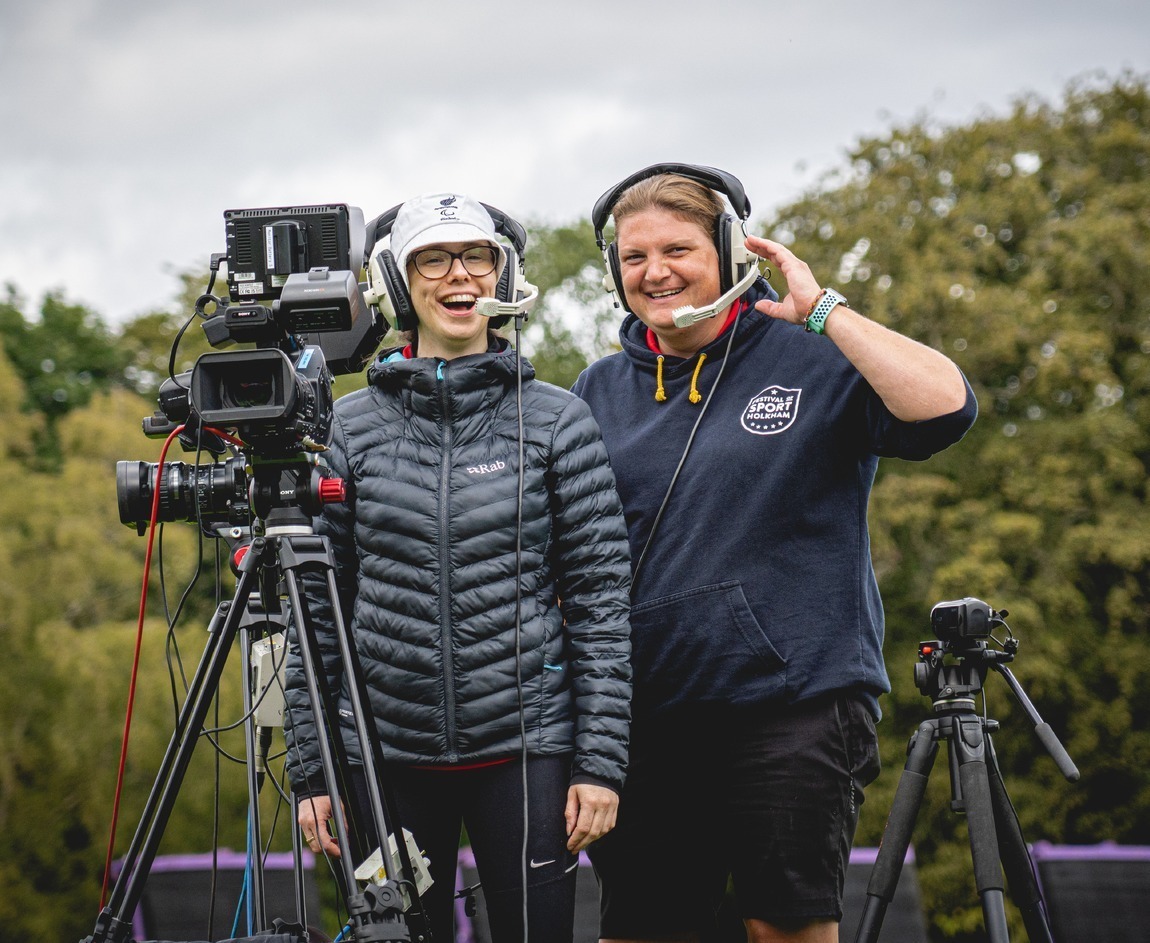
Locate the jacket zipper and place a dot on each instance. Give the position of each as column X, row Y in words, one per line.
column 445, row 568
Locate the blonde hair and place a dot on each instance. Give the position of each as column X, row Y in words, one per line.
column 688, row 199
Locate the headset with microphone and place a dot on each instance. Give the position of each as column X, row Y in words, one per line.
column 737, row 265
column 388, row 293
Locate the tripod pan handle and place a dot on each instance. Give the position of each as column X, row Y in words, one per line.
column 1066, row 765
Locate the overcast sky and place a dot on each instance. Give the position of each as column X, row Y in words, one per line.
column 128, row 127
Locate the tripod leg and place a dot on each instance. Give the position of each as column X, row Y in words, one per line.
column 921, row 752
column 1015, row 856
column 968, row 742
column 114, row 921
column 376, row 913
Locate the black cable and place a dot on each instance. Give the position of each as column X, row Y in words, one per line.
column 687, row 448
column 519, row 607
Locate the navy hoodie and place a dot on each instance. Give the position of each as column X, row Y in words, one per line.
column 758, row 585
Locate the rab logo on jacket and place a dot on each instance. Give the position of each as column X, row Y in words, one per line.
column 486, row 468
column 772, row 411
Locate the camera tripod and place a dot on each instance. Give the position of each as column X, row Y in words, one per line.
column 287, row 549
column 996, row 841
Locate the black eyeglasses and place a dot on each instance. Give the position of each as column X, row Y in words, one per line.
column 436, row 263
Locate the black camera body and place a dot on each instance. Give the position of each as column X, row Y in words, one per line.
column 962, row 619
column 305, row 261
column 293, row 291
column 276, row 402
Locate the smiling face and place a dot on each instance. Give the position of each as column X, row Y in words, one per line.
column 667, row 262
column 449, row 325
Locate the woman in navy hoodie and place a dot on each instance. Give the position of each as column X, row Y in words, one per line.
column 745, row 433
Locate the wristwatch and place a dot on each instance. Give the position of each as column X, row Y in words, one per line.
column 826, row 302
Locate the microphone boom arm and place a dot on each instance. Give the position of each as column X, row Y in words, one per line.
column 688, row 315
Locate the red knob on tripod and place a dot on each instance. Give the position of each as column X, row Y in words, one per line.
column 332, row 491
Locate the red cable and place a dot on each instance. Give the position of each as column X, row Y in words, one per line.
column 135, row 667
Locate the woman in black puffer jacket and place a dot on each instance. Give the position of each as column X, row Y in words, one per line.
column 435, row 553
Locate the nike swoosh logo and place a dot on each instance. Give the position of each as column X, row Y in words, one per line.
column 541, row 864
column 573, row 867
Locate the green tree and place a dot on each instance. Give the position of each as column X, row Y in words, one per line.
column 70, row 576
column 573, row 322
column 1018, row 245
column 63, row 357
column 147, row 341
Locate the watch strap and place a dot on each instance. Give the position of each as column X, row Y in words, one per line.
column 826, row 302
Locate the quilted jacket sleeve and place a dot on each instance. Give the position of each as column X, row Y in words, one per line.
column 594, row 579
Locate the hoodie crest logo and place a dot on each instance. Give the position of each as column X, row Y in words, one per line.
column 772, row 411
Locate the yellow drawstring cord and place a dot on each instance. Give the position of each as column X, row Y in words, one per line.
column 660, row 393
column 695, row 395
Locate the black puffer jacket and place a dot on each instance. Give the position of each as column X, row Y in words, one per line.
column 426, row 562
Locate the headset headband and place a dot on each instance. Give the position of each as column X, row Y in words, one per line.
column 710, row 177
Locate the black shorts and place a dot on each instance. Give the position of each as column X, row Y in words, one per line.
column 768, row 797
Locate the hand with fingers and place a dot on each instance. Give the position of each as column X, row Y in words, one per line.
column 315, row 813
column 802, row 287
column 590, row 814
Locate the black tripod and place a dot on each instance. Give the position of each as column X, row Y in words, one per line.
column 952, row 673
column 287, row 549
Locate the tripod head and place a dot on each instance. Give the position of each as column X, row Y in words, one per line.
column 951, row 669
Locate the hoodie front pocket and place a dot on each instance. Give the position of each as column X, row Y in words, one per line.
column 704, row 645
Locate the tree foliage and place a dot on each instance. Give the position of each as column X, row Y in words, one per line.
column 1017, row 244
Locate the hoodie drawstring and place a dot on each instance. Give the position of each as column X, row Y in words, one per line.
column 695, row 395
column 660, row 391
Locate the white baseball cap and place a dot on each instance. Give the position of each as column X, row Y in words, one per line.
column 436, row 218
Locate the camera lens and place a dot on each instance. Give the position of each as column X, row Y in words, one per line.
column 244, row 393
column 209, row 494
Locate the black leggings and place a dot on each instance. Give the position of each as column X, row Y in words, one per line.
column 433, row 804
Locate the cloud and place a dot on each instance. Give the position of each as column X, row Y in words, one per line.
column 129, row 128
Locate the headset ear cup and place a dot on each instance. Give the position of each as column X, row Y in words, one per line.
column 726, row 231
column 506, row 288
column 613, row 281
column 397, row 294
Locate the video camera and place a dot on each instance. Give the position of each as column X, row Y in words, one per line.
column 961, row 619
column 305, row 260
column 293, row 292
column 953, row 663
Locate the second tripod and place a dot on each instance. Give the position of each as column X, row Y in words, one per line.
column 951, row 671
